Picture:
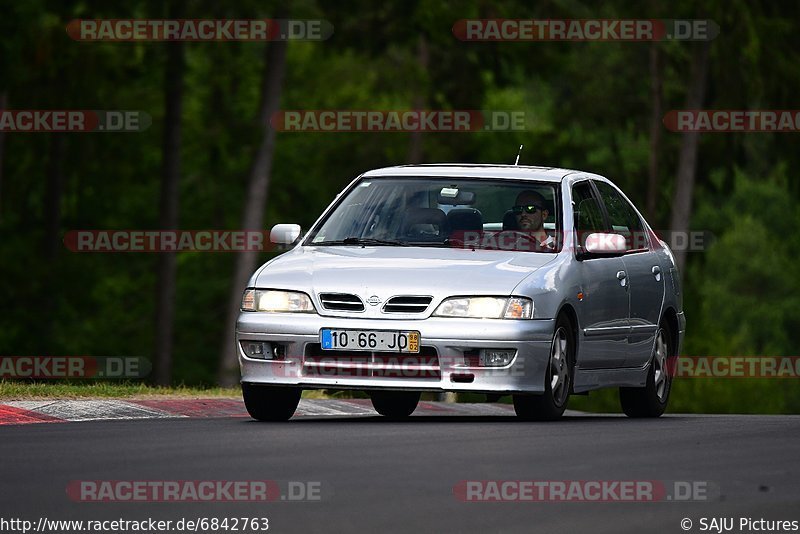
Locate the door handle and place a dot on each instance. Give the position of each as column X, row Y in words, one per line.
column 621, row 275
column 656, row 270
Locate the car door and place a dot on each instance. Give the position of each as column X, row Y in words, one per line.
column 602, row 307
column 642, row 270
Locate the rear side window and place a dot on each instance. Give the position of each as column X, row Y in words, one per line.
column 623, row 218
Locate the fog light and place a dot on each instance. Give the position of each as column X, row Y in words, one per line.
column 496, row 358
column 257, row 350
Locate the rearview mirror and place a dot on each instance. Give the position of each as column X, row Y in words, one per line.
column 284, row 234
column 450, row 196
column 605, row 244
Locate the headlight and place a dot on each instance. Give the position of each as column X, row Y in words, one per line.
column 267, row 300
column 486, row 308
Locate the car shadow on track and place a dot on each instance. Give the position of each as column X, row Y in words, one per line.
column 462, row 419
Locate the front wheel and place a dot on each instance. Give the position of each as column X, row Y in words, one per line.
column 550, row 405
column 651, row 400
column 395, row 404
column 270, row 403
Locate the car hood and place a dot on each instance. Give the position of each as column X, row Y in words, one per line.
column 389, row 271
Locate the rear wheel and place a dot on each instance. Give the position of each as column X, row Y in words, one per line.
column 395, row 404
column 651, row 400
column 270, row 403
column 551, row 404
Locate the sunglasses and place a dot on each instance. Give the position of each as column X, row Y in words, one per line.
column 527, row 209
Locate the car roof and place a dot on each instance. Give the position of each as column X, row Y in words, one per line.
column 475, row 170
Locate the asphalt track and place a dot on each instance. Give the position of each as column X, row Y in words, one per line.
column 380, row 476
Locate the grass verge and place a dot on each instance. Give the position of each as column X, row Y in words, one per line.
column 13, row 390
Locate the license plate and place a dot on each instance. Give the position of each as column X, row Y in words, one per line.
column 369, row 340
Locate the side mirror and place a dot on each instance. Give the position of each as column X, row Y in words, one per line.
column 284, row 234
column 605, row 244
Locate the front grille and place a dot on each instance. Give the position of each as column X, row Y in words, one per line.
column 423, row 365
column 341, row 302
column 407, row 304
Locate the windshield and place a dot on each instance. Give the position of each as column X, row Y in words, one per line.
column 444, row 212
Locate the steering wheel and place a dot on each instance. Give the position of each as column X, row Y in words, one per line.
column 529, row 238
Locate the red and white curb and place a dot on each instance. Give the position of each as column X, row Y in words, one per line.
column 61, row 411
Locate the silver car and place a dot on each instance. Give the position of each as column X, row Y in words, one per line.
column 534, row 282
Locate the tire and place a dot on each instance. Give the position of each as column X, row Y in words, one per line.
column 651, row 400
column 550, row 405
column 395, row 404
column 270, row 403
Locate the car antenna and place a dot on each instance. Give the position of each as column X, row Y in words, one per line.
column 518, row 153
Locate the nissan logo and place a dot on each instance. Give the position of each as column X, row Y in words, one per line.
column 374, row 300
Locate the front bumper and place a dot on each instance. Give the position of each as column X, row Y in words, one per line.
column 452, row 339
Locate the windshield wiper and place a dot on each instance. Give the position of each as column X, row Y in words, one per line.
column 433, row 244
column 362, row 241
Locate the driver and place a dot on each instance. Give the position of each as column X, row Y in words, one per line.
column 530, row 212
